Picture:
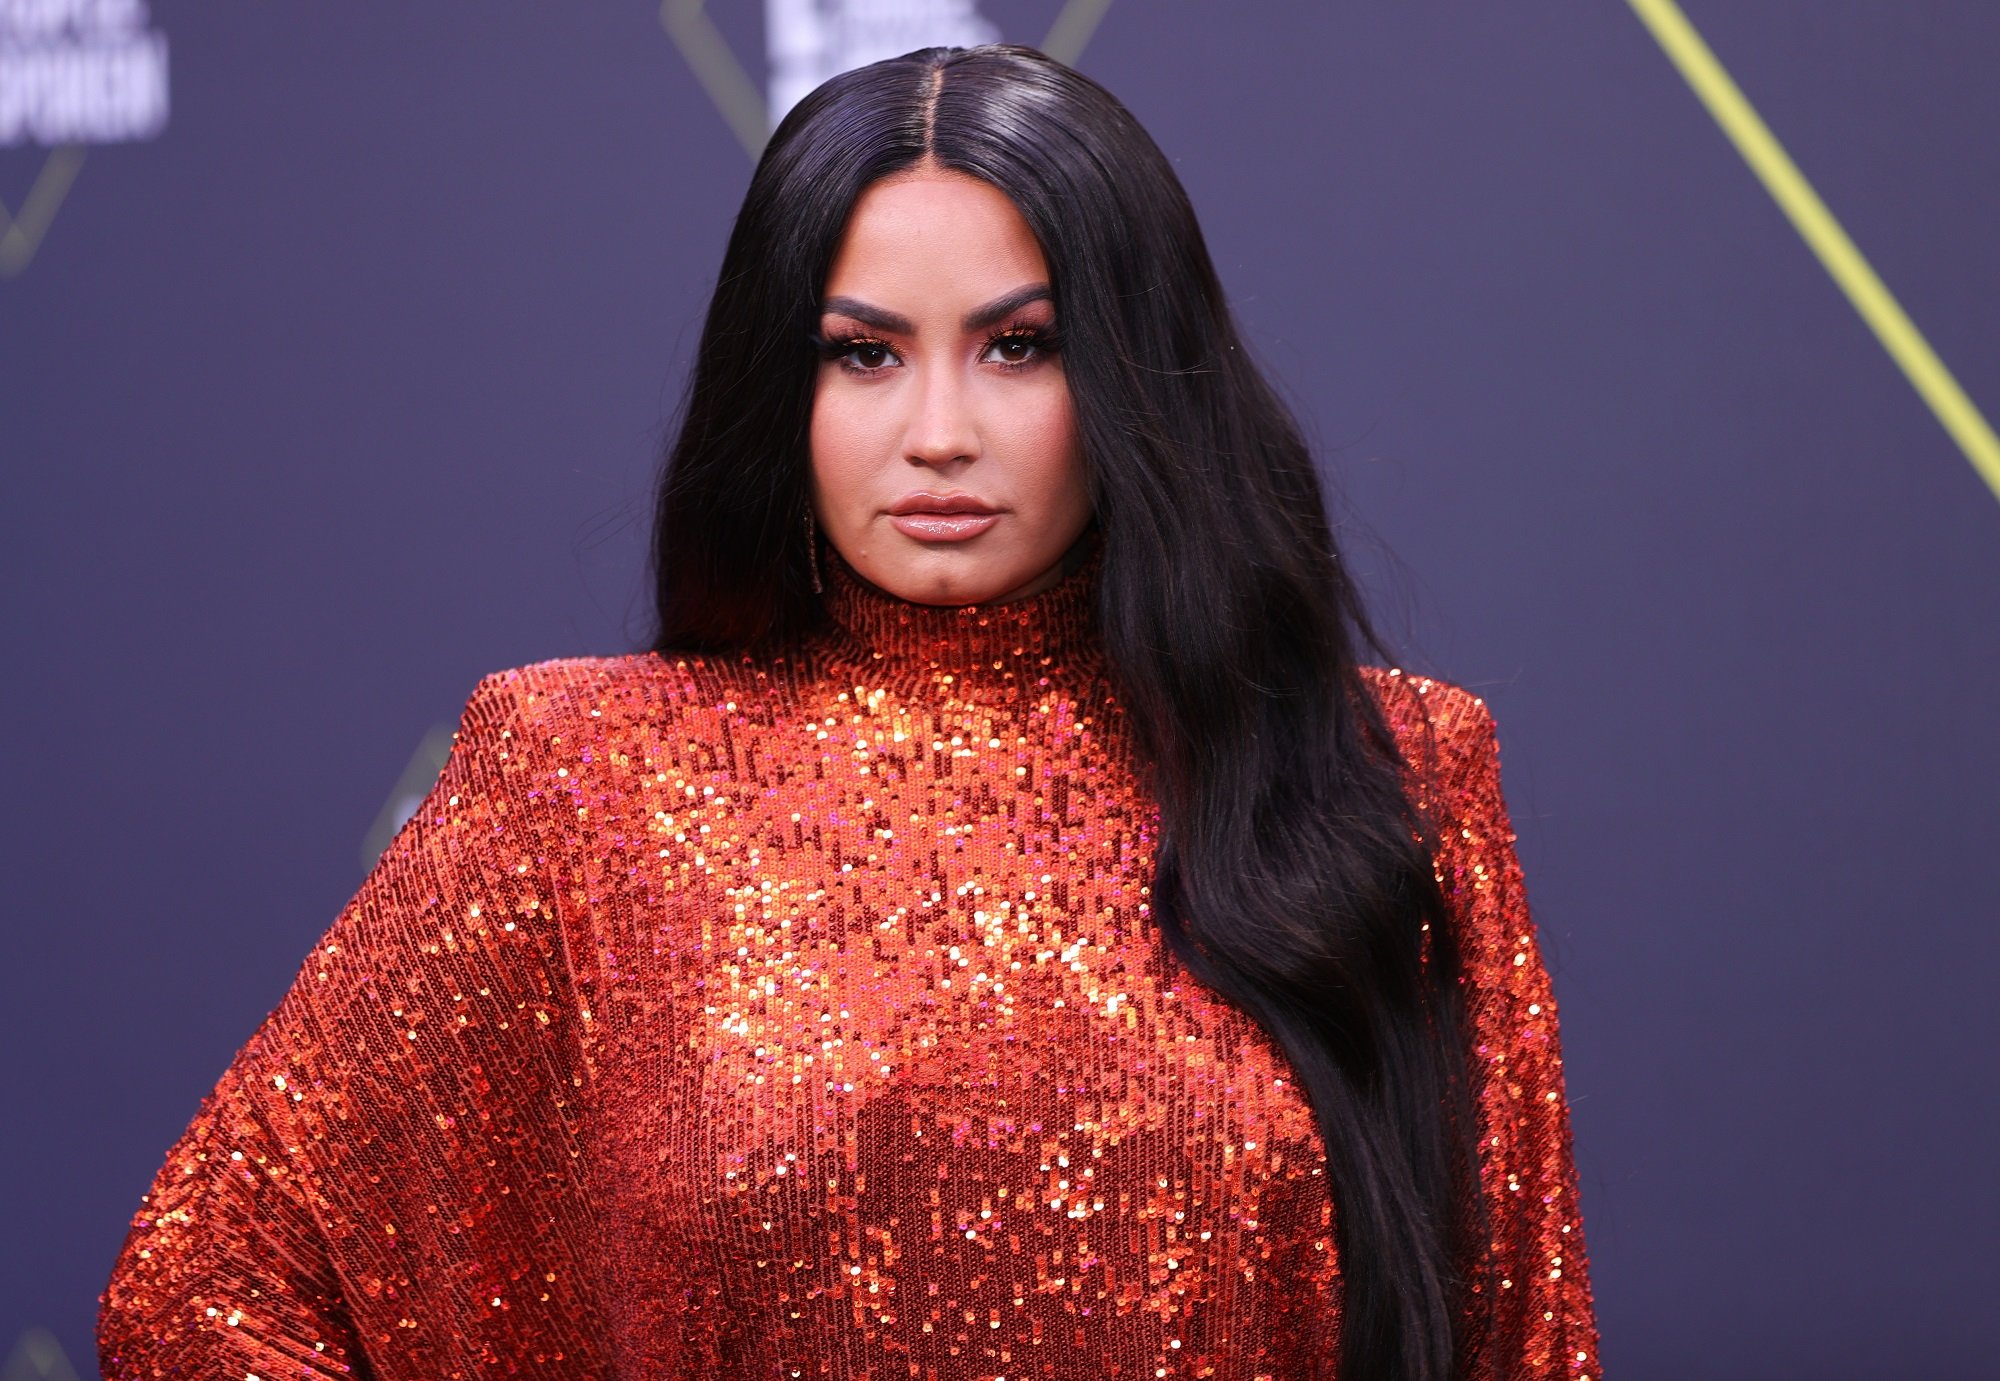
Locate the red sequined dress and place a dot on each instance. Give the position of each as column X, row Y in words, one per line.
column 715, row 1019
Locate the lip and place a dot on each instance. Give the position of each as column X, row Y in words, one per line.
column 942, row 527
column 924, row 501
column 931, row 517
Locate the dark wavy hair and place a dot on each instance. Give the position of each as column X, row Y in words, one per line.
column 1295, row 872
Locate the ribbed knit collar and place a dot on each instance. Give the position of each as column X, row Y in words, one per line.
column 1022, row 647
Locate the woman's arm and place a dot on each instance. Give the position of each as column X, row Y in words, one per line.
column 224, row 1271
column 279, row 1207
column 1545, row 1322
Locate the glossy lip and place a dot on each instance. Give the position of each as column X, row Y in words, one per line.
column 942, row 527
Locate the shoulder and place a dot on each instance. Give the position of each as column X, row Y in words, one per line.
column 536, row 691
column 1443, row 731
column 572, row 700
column 1410, row 701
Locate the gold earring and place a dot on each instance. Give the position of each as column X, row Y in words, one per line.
column 812, row 552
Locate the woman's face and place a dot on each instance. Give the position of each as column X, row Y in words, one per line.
column 945, row 465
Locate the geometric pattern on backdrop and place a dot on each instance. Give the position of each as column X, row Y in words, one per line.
column 1837, row 254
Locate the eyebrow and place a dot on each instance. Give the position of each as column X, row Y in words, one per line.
column 978, row 319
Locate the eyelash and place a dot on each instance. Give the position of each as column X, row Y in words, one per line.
column 1046, row 339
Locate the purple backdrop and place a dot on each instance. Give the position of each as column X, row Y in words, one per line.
column 348, row 387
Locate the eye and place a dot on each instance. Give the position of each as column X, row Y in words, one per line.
column 856, row 354
column 1017, row 347
column 867, row 355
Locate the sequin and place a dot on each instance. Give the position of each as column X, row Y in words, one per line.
column 716, row 1018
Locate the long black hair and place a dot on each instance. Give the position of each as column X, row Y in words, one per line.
column 1295, row 873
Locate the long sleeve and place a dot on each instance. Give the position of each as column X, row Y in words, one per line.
column 413, row 1073
column 1545, row 1318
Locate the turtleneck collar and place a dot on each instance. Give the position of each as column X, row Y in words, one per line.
column 1021, row 647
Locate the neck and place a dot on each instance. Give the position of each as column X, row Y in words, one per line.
column 1020, row 648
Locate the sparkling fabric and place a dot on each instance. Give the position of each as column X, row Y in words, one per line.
column 715, row 1018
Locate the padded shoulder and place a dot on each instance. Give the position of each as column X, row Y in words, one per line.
column 541, row 701
column 1443, row 731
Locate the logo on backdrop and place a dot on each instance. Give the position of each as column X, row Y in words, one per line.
column 72, row 73
column 808, row 41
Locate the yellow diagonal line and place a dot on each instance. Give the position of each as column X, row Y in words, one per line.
column 1822, row 233
column 717, row 69
column 21, row 236
column 1073, row 28
column 38, row 1356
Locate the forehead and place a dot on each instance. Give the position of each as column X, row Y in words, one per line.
column 943, row 239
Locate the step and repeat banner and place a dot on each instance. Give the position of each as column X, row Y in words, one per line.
column 1649, row 351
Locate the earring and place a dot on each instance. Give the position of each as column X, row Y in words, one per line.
column 812, row 552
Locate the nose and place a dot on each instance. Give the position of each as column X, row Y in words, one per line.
column 941, row 428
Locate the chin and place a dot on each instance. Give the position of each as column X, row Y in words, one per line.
column 952, row 578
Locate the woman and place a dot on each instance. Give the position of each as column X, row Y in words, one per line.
column 1001, row 929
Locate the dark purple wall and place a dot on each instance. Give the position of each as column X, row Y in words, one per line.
column 348, row 389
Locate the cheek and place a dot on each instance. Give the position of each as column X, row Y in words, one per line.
column 1041, row 434
column 842, row 442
